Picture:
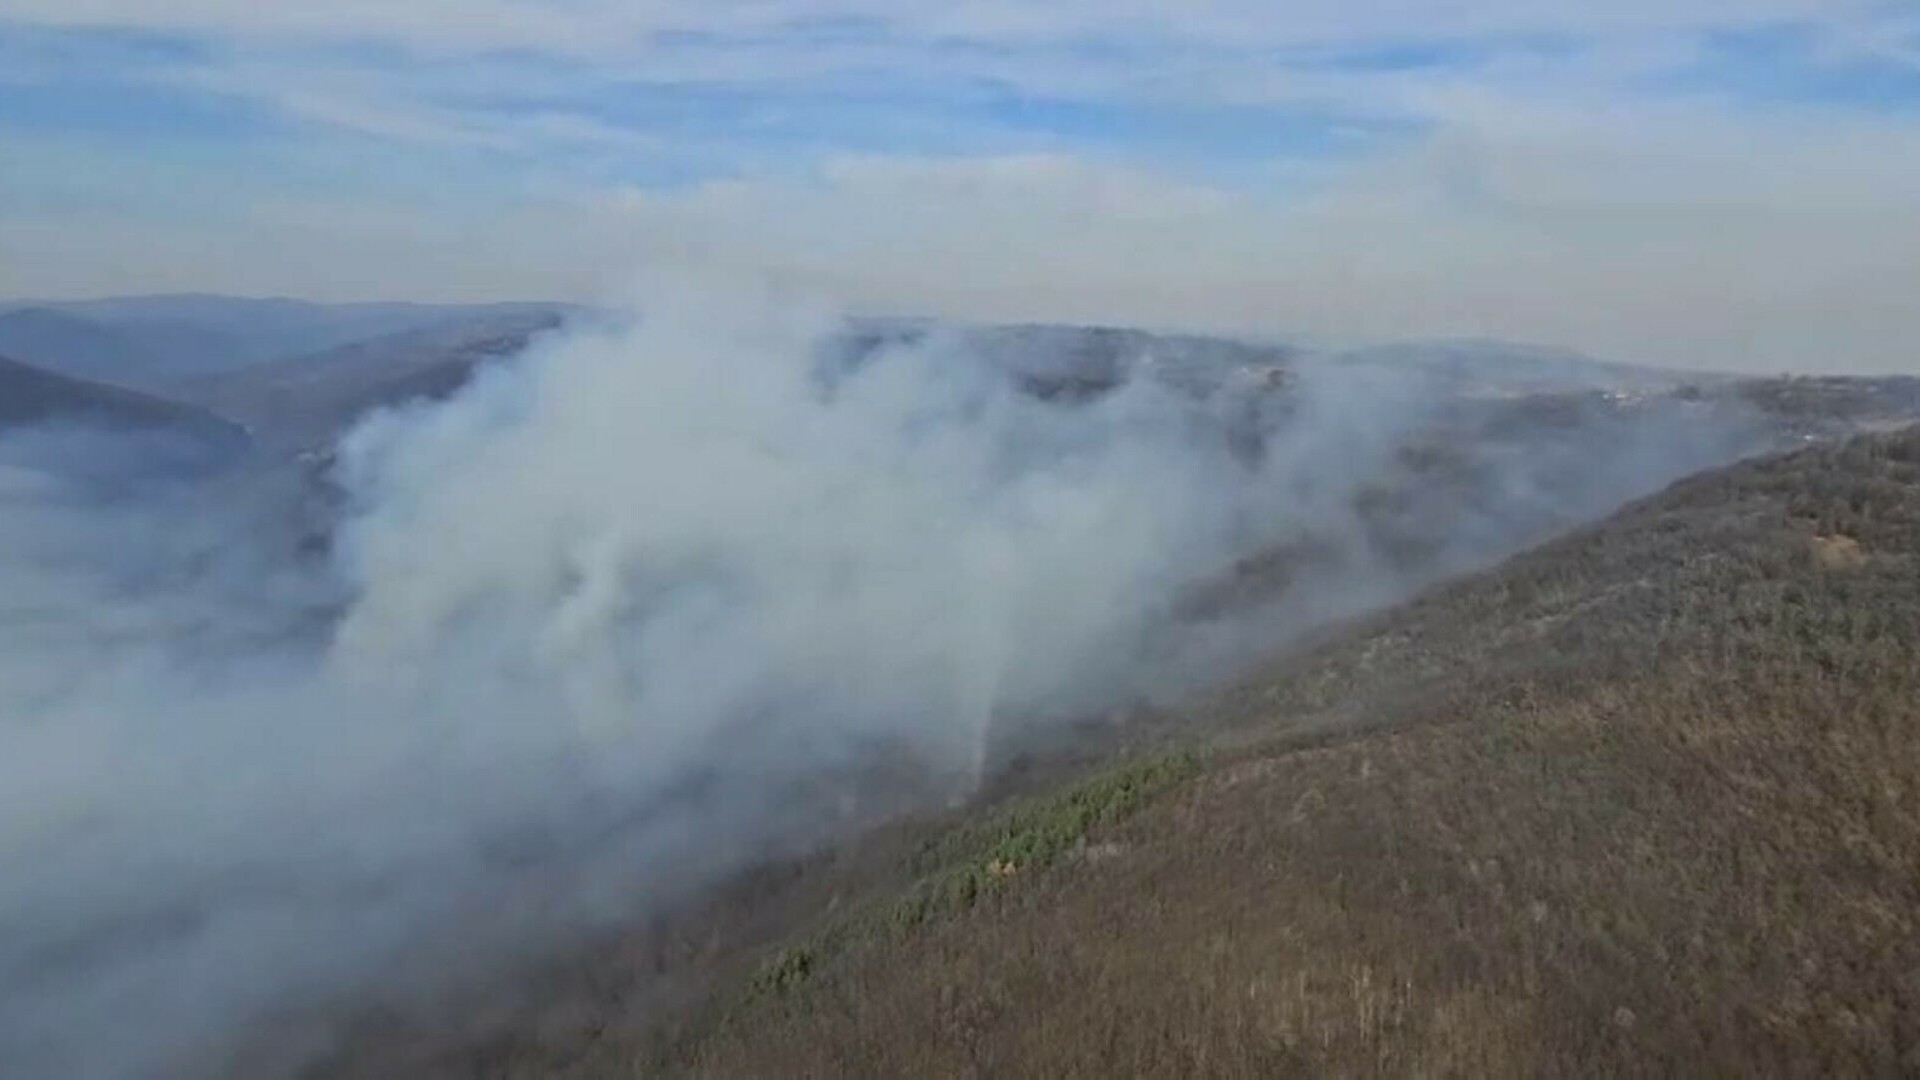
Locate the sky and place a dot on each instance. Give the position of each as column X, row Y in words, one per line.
column 1708, row 183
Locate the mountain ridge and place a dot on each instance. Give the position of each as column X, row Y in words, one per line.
column 1590, row 811
column 34, row 395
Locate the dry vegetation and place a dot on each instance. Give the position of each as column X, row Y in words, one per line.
column 1645, row 800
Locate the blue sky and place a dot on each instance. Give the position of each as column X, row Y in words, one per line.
column 1527, row 170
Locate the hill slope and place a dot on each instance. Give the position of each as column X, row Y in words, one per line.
column 303, row 402
column 72, row 345
column 148, row 340
column 30, row 395
column 1644, row 799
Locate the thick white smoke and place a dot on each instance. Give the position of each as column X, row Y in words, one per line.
column 599, row 627
column 691, row 526
column 598, row 613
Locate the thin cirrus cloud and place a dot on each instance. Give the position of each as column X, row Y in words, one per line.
column 1715, row 183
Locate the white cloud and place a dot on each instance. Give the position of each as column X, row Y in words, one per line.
column 599, row 26
column 1544, row 201
column 1654, row 236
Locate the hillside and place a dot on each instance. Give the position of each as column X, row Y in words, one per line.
column 148, row 341
column 30, row 395
column 303, row 401
column 1081, row 361
column 1507, row 368
column 76, row 346
column 1643, row 800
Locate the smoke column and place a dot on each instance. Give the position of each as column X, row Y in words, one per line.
column 602, row 626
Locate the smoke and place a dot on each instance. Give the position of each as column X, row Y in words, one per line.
column 658, row 599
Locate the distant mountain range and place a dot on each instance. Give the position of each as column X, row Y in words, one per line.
column 300, row 403
column 294, row 374
column 1504, row 367
column 151, row 341
column 288, row 373
column 30, row 395
column 1056, row 360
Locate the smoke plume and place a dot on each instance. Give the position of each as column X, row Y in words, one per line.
column 652, row 601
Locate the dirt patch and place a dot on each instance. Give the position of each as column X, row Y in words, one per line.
column 1838, row 552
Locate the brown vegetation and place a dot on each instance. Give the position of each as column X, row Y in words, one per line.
column 1645, row 800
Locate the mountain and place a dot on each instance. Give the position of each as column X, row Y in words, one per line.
column 1073, row 363
column 1825, row 405
column 30, row 395
column 75, row 345
column 148, row 341
column 302, row 402
column 277, row 328
column 1083, row 361
column 1491, row 368
column 1638, row 801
